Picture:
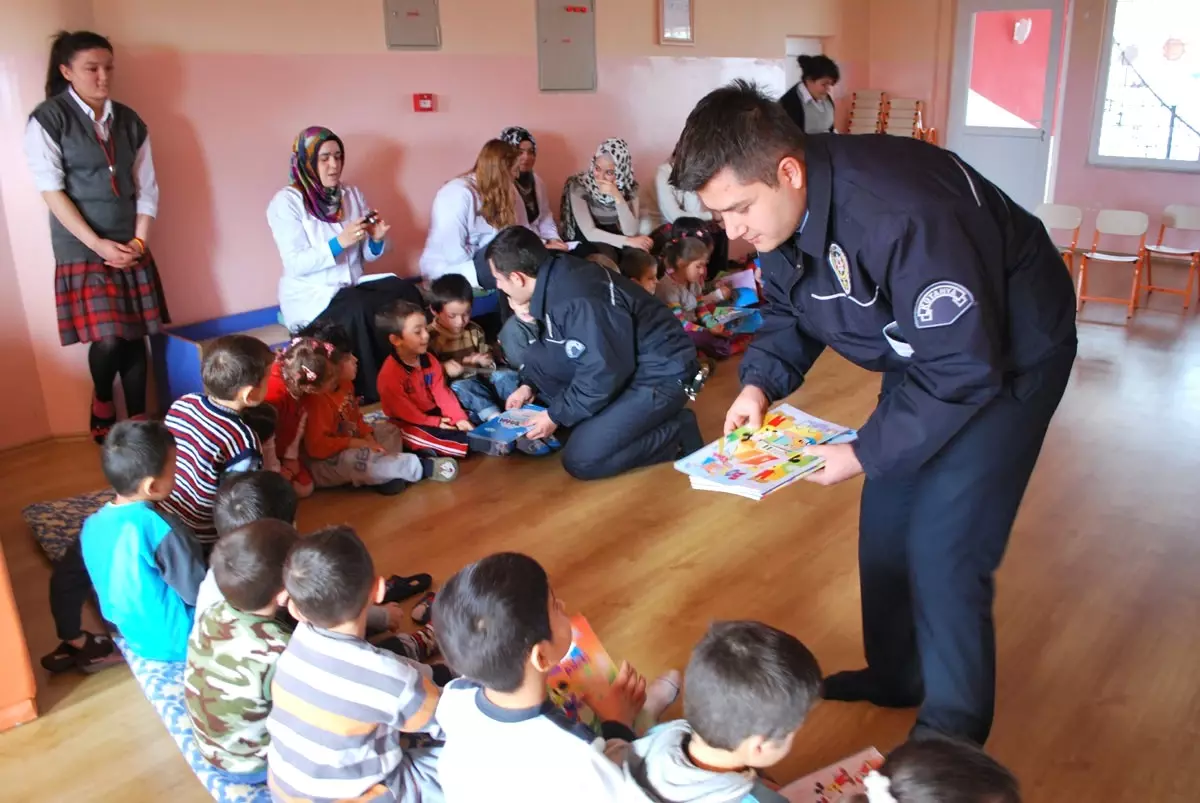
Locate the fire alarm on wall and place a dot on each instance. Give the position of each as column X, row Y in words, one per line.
column 423, row 102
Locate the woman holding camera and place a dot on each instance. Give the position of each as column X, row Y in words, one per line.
column 326, row 233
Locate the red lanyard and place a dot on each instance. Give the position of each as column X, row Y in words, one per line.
column 110, row 156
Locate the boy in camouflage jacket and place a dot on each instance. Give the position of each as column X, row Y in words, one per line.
column 234, row 647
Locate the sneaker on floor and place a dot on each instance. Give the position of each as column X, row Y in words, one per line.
column 439, row 469
column 97, row 653
column 103, row 417
column 422, row 612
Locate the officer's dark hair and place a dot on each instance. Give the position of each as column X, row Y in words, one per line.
column 636, row 263
column 133, row 451
column 749, row 679
column 940, row 769
column 740, row 127
column 490, row 615
column 448, row 288
column 248, row 563
column 63, row 50
column 390, row 320
column 233, row 362
column 250, row 496
column 329, row 576
column 814, row 68
column 329, row 332
column 517, row 250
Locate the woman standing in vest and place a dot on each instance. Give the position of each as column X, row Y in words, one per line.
column 91, row 161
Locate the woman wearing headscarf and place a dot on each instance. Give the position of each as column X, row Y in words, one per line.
column 91, row 161
column 530, row 188
column 326, row 233
column 600, row 205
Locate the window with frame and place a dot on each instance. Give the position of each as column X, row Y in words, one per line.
column 1148, row 97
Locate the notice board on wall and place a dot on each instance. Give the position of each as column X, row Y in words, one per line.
column 412, row 25
column 566, row 43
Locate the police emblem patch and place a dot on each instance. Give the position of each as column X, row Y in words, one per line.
column 574, row 349
column 841, row 266
column 941, row 304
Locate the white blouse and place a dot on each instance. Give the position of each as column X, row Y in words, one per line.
column 544, row 226
column 312, row 275
column 457, row 230
column 674, row 203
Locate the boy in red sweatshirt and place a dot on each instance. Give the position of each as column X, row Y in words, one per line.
column 412, row 386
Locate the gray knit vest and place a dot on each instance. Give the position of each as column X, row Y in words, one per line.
column 86, row 174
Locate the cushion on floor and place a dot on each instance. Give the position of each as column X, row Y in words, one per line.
column 57, row 523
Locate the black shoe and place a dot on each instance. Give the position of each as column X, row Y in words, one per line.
column 391, row 487
column 863, row 686
column 97, row 653
column 400, row 588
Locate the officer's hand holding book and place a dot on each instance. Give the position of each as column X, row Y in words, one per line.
column 540, row 426
column 747, row 409
column 841, row 463
column 519, row 398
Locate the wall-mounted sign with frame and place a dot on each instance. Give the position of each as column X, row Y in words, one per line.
column 676, row 22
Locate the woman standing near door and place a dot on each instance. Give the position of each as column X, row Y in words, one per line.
column 91, row 161
column 809, row 103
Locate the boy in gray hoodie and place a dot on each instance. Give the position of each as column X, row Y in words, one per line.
column 747, row 691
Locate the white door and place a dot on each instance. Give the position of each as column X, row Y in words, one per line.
column 798, row 46
column 1006, row 59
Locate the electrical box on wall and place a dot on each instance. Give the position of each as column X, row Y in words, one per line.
column 412, row 25
column 566, row 39
column 424, row 102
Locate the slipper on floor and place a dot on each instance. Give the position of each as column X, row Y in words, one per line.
column 400, row 588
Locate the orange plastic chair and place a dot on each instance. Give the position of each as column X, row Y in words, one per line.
column 1181, row 218
column 1065, row 218
column 1119, row 223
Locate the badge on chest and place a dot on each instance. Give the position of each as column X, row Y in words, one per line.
column 840, row 265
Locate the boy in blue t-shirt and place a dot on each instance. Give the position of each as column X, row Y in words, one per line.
column 145, row 566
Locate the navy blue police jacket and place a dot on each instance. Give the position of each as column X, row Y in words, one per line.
column 599, row 333
column 909, row 261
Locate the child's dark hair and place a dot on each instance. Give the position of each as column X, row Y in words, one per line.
column 329, row 332
column 306, row 364
column 248, row 563
column 234, row 362
column 749, row 679
column 390, row 320
column 251, row 496
column 451, row 287
column 490, row 615
column 62, row 52
column 636, row 263
column 329, row 575
column 680, row 243
column 262, row 419
column 133, row 451
column 942, row 770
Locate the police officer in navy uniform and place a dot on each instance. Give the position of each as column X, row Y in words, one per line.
column 904, row 260
column 614, row 363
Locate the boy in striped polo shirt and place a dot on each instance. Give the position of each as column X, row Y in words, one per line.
column 211, row 437
column 342, row 707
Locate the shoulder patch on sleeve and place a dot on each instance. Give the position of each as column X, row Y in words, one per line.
column 574, row 349
column 941, row 304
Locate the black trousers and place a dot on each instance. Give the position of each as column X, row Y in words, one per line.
column 70, row 588
column 354, row 308
column 930, row 544
column 646, row 424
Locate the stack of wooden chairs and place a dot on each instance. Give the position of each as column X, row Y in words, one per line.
column 873, row 111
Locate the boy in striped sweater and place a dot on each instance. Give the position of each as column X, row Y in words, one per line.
column 211, row 437
column 344, row 712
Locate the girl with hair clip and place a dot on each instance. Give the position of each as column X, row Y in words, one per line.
column 342, row 448
column 683, row 249
column 91, row 161
column 940, row 771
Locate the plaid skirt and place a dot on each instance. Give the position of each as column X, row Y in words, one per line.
column 96, row 301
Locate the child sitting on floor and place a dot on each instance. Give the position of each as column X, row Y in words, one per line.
column 257, row 495
column 683, row 251
column 480, row 385
column 502, row 627
column 940, row 771
column 343, row 449
column 517, row 334
column 145, row 567
column 412, row 386
column 641, row 268
column 340, row 737
column 211, row 436
column 747, row 691
column 234, row 648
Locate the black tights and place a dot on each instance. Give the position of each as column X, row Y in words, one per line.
column 112, row 356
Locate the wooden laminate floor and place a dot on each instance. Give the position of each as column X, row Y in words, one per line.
column 1097, row 611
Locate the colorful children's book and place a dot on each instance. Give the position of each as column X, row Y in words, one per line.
column 837, row 782
column 753, row 463
column 744, row 286
column 738, row 320
column 586, row 669
column 499, row 436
